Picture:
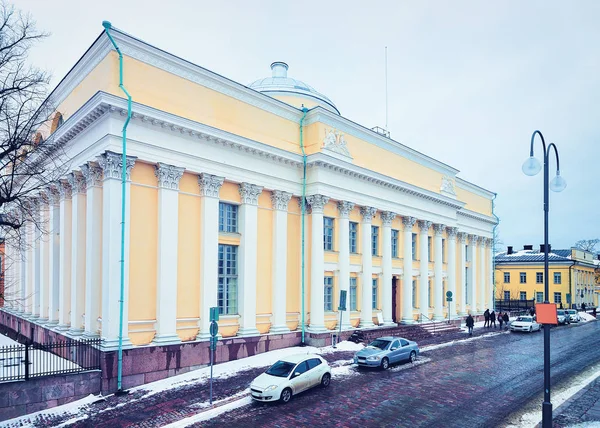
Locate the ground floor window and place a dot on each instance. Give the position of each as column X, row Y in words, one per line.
column 429, row 293
column 444, row 303
column 353, row 294
column 523, row 295
column 414, row 293
column 539, row 297
column 507, row 295
column 228, row 278
column 374, row 293
column 557, row 297
column 328, row 290
column 467, row 294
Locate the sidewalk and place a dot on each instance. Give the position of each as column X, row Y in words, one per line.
column 583, row 408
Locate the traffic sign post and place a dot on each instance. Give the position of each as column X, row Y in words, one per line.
column 449, row 299
column 341, row 310
column 214, row 331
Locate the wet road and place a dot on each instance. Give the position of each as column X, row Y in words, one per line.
column 472, row 384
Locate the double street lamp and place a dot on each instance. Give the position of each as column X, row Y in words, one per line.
column 531, row 167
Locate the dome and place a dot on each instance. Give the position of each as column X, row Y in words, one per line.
column 291, row 91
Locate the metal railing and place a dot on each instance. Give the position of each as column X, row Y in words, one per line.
column 422, row 315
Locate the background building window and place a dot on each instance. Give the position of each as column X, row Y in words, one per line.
column 395, row 235
column 375, row 240
column 353, row 294
column 228, row 217
column 328, row 290
column 557, row 278
column 228, row 276
column 557, row 297
column 539, row 297
column 539, row 277
column 507, row 295
column 353, row 237
column 429, row 248
column 523, row 295
column 414, row 293
column 414, row 246
column 328, row 233
column 374, row 293
column 523, row 277
column 507, row 277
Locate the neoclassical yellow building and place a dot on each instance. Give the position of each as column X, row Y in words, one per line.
column 214, row 211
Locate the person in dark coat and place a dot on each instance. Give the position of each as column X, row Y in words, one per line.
column 486, row 316
column 470, row 323
column 583, row 307
column 493, row 319
column 500, row 319
column 531, row 311
column 505, row 318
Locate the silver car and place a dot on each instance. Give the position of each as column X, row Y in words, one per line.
column 574, row 316
column 385, row 351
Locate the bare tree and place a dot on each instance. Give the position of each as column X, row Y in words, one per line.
column 589, row 245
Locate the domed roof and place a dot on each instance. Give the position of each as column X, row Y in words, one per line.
column 280, row 84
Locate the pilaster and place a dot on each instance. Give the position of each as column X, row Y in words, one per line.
column 65, row 252
column 386, row 285
column 78, row 251
column 462, row 241
column 344, row 209
column 317, row 275
column 407, row 277
column 366, row 309
column 423, row 302
column 451, row 269
column 438, row 298
column 280, row 202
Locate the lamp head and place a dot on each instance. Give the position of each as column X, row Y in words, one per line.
column 558, row 184
column 531, row 166
column 107, row 25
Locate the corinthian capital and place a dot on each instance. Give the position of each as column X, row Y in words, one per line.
column 92, row 173
column 439, row 229
column 210, row 185
column 367, row 214
column 344, row 208
column 452, row 232
column 280, row 200
column 77, row 182
column 408, row 222
column 317, row 203
column 64, row 189
column 424, row 225
column 462, row 237
column 168, row 175
column 387, row 217
column 473, row 239
column 112, row 164
column 249, row 193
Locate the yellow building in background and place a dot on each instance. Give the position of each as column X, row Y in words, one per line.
column 572, row 276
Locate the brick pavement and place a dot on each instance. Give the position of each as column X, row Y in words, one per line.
column 583, row 407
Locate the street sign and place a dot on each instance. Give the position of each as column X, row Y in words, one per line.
column 214, row 329
column 214, row 314
column 448, row 299
column 449, row 294
column 342, row 306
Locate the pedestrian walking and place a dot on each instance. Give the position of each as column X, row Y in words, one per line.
column 493, row 319
column 531, row 311
column 505, row 318
column 500, row 319
column 583, row 307
column 486, row 316
column 470, row 324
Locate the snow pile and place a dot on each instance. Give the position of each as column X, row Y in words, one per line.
column 585, row 317
column 342, row 346
column 454, row 342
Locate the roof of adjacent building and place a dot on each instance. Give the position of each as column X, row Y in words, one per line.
column 533, row 256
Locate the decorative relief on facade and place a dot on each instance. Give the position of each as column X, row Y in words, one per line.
column 452, row 232
column 462, row 237
column 210, row 185
column 168, row 175
column 280, row 200
column 111, row 164
column 77, row 182
column 387, row 217
column 424, row 225
column 367, row 214
column 408, row 222
column 439, row 229
column 249, row 193
column 344, row 208
column 92, row 174
column 64, row 189
column 317, row 203
column 335, row 142
column 448, row 186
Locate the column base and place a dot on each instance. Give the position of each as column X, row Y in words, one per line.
column 113, row 344
column 51, row 324
column 462, row 314
column 75, row 331
column 41, row 320
column 166, row 339
column 366, row 324
column 388, row 324
column 347, row 326
column 408, row 321
column 317, row 329
column 438, row 318
column 279, row 329
column 248, row 331
column 62, row 327
column 90, row 335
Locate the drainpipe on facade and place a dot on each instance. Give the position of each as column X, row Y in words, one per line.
column 303, row 203
column 107, row 26
column 493, row 254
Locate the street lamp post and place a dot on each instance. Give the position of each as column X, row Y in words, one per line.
column 531, row 167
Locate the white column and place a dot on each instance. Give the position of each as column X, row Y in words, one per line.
column 36, row 268
column 28, row 263
column 8, row 266
column 423, row 302
column 168, row 233
column 209, row 248
column 344, row 209
column 280, row 202
column 248, row 222
column 111, row 164
column 53, row 255
column 451, row 269
column 462, row 240
column 490, row 264
column 64, row 272
column 44, row 239
column 407, row 277
column 78, row 251
column 473, row 239
column 317, row 260
column 93, row 247
column 386, row 285
column 482, row 301
column 366, row 307
column 438, row 287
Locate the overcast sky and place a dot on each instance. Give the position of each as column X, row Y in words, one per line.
column 469, row 81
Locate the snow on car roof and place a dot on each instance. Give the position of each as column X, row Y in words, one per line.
column 297, row 358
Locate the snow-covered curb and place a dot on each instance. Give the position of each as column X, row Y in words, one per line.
column 454, row 342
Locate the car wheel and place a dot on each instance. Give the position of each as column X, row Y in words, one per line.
column 385, row 364
column 413, row 357
column 286, row 395
column 325, row 380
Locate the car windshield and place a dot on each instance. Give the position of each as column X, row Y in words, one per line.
column 524, row 319
column 281, row 369
column 572, row 311
column 559, row 312
column 381, row 344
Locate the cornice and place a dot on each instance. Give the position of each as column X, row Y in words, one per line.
column 479, row 191
column 481, row 217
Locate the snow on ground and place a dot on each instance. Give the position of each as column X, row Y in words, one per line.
column 212, row 413
column 454, row 342
column 592, row 424
column 585, row 317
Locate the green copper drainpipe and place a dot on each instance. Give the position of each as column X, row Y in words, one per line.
column 493, row 254
column 303, row 203
column 107, row 26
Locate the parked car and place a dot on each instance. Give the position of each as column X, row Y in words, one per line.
column 563, row 317
column 525, row 323
column 385, row 351
column 574, row 316
column 289, row 377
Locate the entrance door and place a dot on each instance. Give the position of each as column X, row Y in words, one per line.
column 394, row 288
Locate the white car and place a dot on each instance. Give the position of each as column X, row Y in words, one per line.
column 574, row 315
column 525, row 323
column 289, row 377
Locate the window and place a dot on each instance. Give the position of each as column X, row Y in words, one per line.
column 557, row 278
column 414, row 293
column 353, row 294
column 328, row 233
column 228, row 275
column 444, row 303
column 375, row 240
column 523, row 277
column 301, row 368
column 313, row 362
column 429, row 248
column 429, row 299
column 414, row 246
column 353, row 236
column 523, row 295
column 395, row 234
column 507, row 277
column 557, row 297
column 467, row 296
column 374, row 293
column 466, row 252
column 328, row 290
column 443, row 250
column 404, row 342
column 539, row 297
column 228, row 217
column 395, row 344
column 539, row 277
column 507, row 295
